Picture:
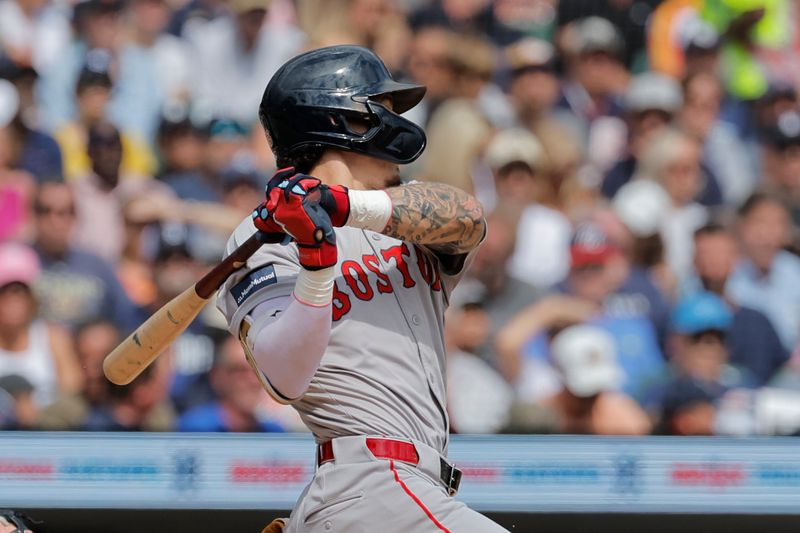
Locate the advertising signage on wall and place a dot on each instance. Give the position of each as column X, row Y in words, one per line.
column 501, row 473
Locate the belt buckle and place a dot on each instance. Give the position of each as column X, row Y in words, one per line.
column 450, row 476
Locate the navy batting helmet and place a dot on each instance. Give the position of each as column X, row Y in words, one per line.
column 311, row 98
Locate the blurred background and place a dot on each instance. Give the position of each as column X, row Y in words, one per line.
column 639, row 161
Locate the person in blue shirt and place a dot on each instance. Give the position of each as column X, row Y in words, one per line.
column 239, row 395
column 752, row 341
column 766, row 279
column 697, row 349
column 75, row 285
column 601, row 289
column 697, row 352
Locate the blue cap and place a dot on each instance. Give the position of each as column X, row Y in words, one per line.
column 702, row 311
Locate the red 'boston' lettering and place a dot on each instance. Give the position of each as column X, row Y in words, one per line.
column 397, row 253
column 424, row 265
column 437, row 279
column 383, row 283
column 355, row 281
column 341, row 303
column 428, row 269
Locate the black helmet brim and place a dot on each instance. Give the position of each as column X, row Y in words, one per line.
column 404, row 95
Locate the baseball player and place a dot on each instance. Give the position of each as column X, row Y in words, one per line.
column 345, row 320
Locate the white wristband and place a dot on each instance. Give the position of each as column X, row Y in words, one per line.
column 369, row 210
column 314, row 287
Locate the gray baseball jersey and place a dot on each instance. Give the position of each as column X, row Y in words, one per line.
column 383, row 372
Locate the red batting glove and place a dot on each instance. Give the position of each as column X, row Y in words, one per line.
column 335, row 200
column 293, row 207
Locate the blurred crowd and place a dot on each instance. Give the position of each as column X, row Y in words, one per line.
column 639, row 161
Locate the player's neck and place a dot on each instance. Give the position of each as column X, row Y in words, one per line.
column 333, row 170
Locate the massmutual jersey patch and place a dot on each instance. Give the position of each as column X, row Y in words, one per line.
column 257, row 279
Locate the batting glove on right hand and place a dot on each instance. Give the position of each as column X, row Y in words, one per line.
column 293, row 207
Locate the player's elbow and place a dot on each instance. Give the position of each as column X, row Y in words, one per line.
column 289, row 357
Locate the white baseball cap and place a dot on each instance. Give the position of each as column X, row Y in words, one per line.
column 9, row 102
column 653, row 91
column 513, row 145
column 587, row 359
column 641, row 205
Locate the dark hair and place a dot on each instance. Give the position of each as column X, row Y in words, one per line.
column 123, row 392
column 647, row 252
column 712, row 228
column 756, row 200
column 83, row 327
column 302, row 159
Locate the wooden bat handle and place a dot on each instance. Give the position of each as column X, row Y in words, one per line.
column 212, row 281
column 144, row 345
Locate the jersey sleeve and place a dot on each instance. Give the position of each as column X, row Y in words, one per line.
column 451, row 267
column 269, row 273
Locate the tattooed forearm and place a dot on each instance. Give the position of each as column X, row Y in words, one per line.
column 440, row 216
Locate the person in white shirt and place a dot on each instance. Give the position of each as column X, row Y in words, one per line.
column 236, row 56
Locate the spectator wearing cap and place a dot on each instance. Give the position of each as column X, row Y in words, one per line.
column 177, row 265
column 40, row 352
column 641, row 205
column 534, row 92
column 725, row 156
column 766, row 277
column 591, row 93
column 701, row 47
column 243, row 184
column 25, row 412
column 651, row 102
column 237, row 55
column 590, row 401
column 679, row 42
column 689, row 407
column 75, row 286
column 183, row 145
column 700, row 325
column 136, row 102
column 630, row 21
column 629, row 292
column 534, row 83
column 603, row 289
column 227, row 138
column 93, row 92
column 752, row 342
column 781, row 159
column 238, row 393
column 540, row 256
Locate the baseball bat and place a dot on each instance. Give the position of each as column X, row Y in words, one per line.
column 150, row 339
